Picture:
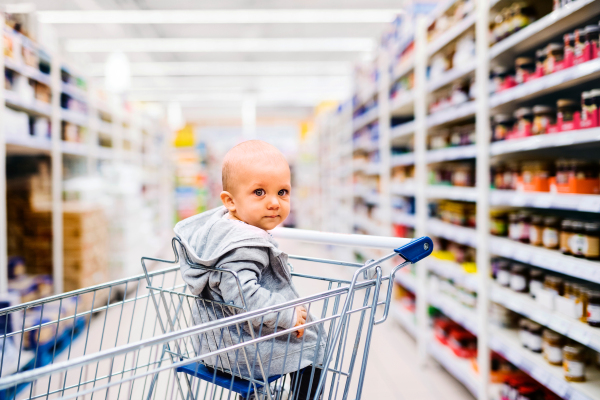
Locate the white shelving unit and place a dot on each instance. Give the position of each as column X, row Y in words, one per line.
column 141, row 132
column 415, row 102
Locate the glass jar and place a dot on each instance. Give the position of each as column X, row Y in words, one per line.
column 524, row 334
column 503, row 273
column 524, row 221
column 593, row 307
column 535, row 337
column 565, row 236
column 524, row 118
column 536, row 281
column 524, row 67
column 554, row 56
column 498, row 223
column 554, row 284
column 536, row 229
column 543, row 117
column 514, row 227
column 562, row 172
column 592, row 36
column 550, row 234
column 591, row 248
column 588, row 108
column 574, row 363
column 569, row 49
column 503, row 125
column 540, row 62
column 518, row 278
column 577, row 239
column 553, row 345
column 567, row 109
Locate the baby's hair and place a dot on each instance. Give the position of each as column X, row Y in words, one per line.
column 248, row 151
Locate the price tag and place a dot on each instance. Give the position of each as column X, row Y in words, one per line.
column 560, row 325
column 540, row 375
column 589, row 204
column 580, row 335
column 558, row 386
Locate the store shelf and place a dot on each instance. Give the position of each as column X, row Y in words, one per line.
column 34, row 107
column 74, row 148
column 451, row 34
column 452, row 75
column 451, row 153
column 366, row 147
column 403, row 189
column 460, row 368
column 366, row 95
column 402, row 104
column 580, row 136
column 564, row 79
column 506, row 343
column 407, row 280
column 28, row 71
column 557, row 201
column 74, row 92
column 454, row 271
column 452, row 193
column 452, row 114
column 551, row 260
column 368, row 168
column 365, row 119
column 105, row 127
column 405, row 318
column 455, row 233
column 540, row 32
column 27, row 144
column 402, row 130
column 105, row 153
column 527, row 306
column 455, row 311
column 399, row 160
column 403, row 69
column 402, row 218
column 74, row 117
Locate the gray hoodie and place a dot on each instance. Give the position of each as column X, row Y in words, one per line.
column 214, row 241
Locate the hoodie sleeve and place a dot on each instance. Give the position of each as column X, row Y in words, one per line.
column 247, row 264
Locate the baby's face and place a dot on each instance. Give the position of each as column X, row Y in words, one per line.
column 261, row 195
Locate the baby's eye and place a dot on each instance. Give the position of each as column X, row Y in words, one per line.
column 282, row 192
column 259, row 192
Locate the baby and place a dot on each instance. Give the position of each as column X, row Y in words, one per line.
column 256, row 198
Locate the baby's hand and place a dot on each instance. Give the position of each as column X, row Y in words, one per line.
column 300, row 320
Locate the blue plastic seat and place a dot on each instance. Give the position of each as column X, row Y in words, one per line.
column 239, row 385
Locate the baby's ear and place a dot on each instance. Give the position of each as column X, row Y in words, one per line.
column 227, row 200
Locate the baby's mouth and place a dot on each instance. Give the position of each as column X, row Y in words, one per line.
column 272, row 216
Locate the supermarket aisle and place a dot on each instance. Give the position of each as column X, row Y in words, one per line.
column 392, row 371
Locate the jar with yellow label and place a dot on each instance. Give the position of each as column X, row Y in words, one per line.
column 552, row 347
column 574, row 363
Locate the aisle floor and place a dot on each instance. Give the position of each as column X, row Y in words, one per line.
column 392, row 372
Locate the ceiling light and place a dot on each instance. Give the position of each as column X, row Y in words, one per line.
column 234, row 16
column 220, row 45
column 232, row 68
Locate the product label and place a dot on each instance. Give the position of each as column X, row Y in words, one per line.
column 524, row 337
column 535, row 287
column 593, row 313
column 553, row 354
column 577, row 244
column 550, row 238
column 574, row 369
column 535, row 342
column 518, row 283
column 592, row 247
column 533, row 235
column 515, row 231
column 503, row 277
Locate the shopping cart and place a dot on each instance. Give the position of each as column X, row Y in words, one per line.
column 162, row 351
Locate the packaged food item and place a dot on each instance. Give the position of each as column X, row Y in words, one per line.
column 535, row 337
column 554, row 284
column 503, row 78
column 550, row 234
column 524, row 118
column 593, row 307
column 536, row 281
column 524, row 68
column 574, row 363
column 519, row 278
column 503, row 125
column 535, row 175
column 498, row 223
column 524, row 334
column 591, row 246
column 554, row 58
column 589, row 110
column 577, row 240
column 565, row 236
column 568, row 114
column 463, row 343
column 536, row 229
column 540, row 62
column 528, row 392
column 569, row 50
column 592, row 34
column 543, row 118
column 503, row 273
column 553, row 345
column 514, row 228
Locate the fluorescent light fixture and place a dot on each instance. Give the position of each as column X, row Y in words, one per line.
column 232, row 68
column 117, row 73
column 220, row 45
column 234, row 16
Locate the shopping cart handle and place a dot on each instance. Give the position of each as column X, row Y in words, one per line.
column 416, row 250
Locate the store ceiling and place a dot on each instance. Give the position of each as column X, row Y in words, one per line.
column 215, row 61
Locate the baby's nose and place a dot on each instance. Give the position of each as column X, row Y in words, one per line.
column 273, row 203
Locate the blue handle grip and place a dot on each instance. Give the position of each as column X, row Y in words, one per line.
column 416, row 250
